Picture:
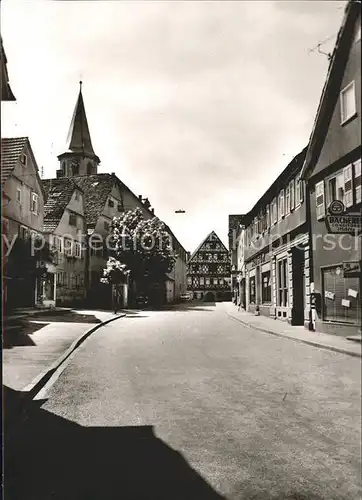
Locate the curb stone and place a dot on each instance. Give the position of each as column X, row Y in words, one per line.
column 302, row 341
column 31, row 390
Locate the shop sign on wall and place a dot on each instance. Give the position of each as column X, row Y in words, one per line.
column 338, row 222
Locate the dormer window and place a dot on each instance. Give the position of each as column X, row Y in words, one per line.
column 77, row 195
column 23, row 159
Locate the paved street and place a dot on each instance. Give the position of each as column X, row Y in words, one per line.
column 189, row 404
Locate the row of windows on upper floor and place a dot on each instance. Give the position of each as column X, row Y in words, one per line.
column 289, row 199
column 344, row 185
column 206, row 281
column 200, row 257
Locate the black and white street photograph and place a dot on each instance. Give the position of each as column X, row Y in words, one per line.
column 181, row 249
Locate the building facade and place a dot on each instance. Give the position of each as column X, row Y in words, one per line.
column 22, row 219
column 332, row 170
column 208, row 275
column 270, row 250
column 63, row 229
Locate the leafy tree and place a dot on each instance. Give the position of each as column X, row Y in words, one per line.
column 144, row 247
column 114, row 273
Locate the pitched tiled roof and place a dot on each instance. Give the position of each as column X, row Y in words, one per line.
column 58, row 194
column 11, row 149
column 96, row 190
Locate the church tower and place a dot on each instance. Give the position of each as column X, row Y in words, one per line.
column 79, row 157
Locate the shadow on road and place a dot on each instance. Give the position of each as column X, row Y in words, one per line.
column 21, row 337
column 52, row 458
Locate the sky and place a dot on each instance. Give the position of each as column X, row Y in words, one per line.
column 196, row 105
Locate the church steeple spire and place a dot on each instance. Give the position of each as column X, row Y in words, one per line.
column 79, row 157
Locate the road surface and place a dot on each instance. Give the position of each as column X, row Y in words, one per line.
column 189, row 404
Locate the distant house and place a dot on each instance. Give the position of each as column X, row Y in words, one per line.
column 64, row 227
column 332, row 169
column 208, row 275
column 22, row 216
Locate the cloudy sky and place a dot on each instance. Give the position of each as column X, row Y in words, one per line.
column 197, row 105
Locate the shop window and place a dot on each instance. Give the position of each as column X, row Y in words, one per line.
column 283, row 283
column 341, row 296
column 252, row 293
column 266, row 287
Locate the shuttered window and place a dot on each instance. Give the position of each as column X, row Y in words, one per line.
column 281, row 204
column 319, row 199
column 287, row 200
column 348, row 188
column 341, row 297
column 292, row 194
column 357, row 181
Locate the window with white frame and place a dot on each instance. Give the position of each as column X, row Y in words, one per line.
column 58, row 243
column 348, row 102
column 215, row 281
column 202, row 280
column 319, row 200
column 77, row 249
column 281, row 205
column 207, row 281
column 189, row 280
column 68, row 247
column 267, row 215
column 18, row 195
column 297, row 190
column 34, row 203
column 357, row 180
column 345, row 185
column 255, row 227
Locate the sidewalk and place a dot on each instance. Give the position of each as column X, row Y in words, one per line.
column 44, row 339
column 296, row 333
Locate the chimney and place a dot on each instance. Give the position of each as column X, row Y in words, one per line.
column 146, row 203
column 152, row 210
column 140, row 197
column 59, row 173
